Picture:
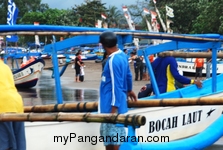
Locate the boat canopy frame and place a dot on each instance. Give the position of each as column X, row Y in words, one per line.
column 88, row 35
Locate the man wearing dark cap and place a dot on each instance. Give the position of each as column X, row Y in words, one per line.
column 116, row 86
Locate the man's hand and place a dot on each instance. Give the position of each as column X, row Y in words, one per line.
column 198, row 83
column 143, row 88
column 114, row 110
column 132, row 96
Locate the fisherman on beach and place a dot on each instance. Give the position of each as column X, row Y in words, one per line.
column 116, row 84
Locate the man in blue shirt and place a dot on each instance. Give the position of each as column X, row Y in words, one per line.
column 116, row 86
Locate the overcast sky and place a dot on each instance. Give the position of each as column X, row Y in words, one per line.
column 64, row 4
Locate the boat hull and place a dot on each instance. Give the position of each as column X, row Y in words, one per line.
column 28, row 76
column 163, row 123
column 188, row 67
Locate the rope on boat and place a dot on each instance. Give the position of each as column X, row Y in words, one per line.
column 135, row 120
column 93, row 106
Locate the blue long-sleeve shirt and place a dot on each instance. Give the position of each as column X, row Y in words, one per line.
column 166, row 72
column 115, row 83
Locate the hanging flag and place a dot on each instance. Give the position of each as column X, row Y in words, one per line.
column 168, row 22
column 37, row 42
column 105, row 25
column 158, row 26
column 146, row 11
column 99, row 23
column 124, row 8
column 103, row 16
column 169, row 11
column 161, row 20
column 12, row 13
column 96, row 25
column 153, row 15
column 11, row 19
column 148, row 25
column 126, row 16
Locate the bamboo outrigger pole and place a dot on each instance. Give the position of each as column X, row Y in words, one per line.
column 189, row 54
column 177, row 102
column 133, row 33
column 93, row 106
column 135, row 120
column 69, row 107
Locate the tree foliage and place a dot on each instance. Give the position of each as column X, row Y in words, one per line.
column 89, row 13
column 210, row 19
column 191, row 16
column 114, row 17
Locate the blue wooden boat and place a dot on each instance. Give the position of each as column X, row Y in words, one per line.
column 182, row 125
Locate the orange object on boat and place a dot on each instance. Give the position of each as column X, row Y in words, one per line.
column 32, row 59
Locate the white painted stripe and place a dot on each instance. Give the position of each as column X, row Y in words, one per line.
column 112, row 80
column 112, row 76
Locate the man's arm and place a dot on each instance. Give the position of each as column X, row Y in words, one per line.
column 131, row 94
column 114, row 109
column 180, row 78
column 175, row 73
column 116, row 72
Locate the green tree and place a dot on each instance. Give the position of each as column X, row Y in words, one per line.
column 114, row 16
column 49, row 17
column 210, row 19
column 136, row 11
column 89, row 13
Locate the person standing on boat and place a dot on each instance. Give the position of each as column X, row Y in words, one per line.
column 208, row 65
column 198, row 65
column 12, row 134
column 77, row 62
column 166, row 73
column 116, row 86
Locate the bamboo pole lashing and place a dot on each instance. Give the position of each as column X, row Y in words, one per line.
column 93, row 106
column 135, row 120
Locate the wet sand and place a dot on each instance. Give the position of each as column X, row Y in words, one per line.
column 92, row 77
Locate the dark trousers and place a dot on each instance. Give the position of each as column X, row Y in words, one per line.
column 198, row 72
column 138, row 71
column 81, row 78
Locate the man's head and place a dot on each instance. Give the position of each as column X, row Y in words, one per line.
column 108, row 39
column 125, row 51
column 209, row 50
column 133, row 53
